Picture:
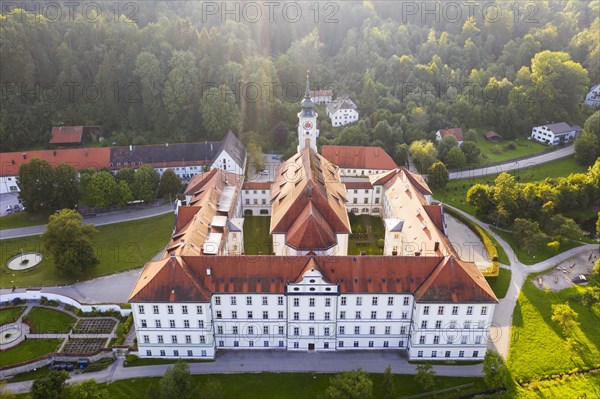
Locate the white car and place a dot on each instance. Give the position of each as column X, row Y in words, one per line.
column 264, row 173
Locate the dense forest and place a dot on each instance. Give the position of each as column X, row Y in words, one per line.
column 161, row 71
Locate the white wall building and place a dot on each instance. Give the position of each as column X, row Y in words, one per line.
column 555, row 133
column 323, row 96
column 342, row 111
column 593, row 97
column 256, row 198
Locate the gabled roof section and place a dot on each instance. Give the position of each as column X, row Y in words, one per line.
column 306, row 178
column 310, row 231
column 436, row 214
column 342, row 102
column 311, row 266
column 198, row 181
column 79, row 158
column 455, row 281
column 358, row 157
column 234, row 148
column 455, row 131
column 164, row 155
column 66, row 135
column 559, row 127
column 394, row 225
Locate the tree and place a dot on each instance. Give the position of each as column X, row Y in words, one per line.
column 528, row 234
column 481, row 196
column 565, row 317
column 255, row 156
column 169, row 185
column 471, row 151
column 388, row 389
column 401, row 154
column 496, row 373
column 66, row 187
column 99, row 190
column 590, row 296
column 423, row 154
column 471, row 135
column 444, row 147
column 87, row 389
column 425, row 376
column 438, row 175
column 145, row 183
column 456, row 159
column 36, row 180
column 50, row 386
column 177, row 382
column 220, row 113
column 70, row 243
column 354, row 384
column 126, row 174
column 587, row 147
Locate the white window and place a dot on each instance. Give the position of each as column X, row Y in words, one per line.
column 233, row 300
column 484, row 310
column 327, row 315
column 343, row 301
column 146, row 339
column 342, row 330
column 388, row 314
column 248, row 300
column 440, row 310
column 469, row 310
column 249, row 314
column 390, row 301
column 234, row 314
column 198, row 309
column 141, row 309
column 327, row 302
column 265, row 314
column 265, row 300
column 172, row 323
column 311, row 302
column 155, row 309
column 425, row 310
column 280, row 300
column 296, row 302
column 170, row 309
column 157, row 323
column 160, row 339
column 374, row 301
column 184, row 309
column 174, row 339
column 372, row 330
column 357, row 314
column 388, row 330
column 358, row 301
column 280, row 314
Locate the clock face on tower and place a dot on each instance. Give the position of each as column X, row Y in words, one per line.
column 307, row 125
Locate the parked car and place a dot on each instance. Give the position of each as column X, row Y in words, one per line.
column 9, row 210
column 264, row 173
column 16, row 208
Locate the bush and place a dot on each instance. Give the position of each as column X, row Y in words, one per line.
column 99, row 365
column 496, row 149
column 510, row 146
column 381, row 243
column 123, row 329
column 46, row 302
column 17, row 301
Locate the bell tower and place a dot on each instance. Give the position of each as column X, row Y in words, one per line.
column 307, row 122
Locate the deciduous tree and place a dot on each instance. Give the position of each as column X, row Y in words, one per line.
column 565, row 316
column 354, row 384
column 219, row 112
column 437, row 175
column 170, row 184
column 51, row 386
column 425, row 376
column 177, row 382
column 423, row 154
column 388, row 388
column 88, row 389
column 145, row 183
column 36, row 180
column 494, row 368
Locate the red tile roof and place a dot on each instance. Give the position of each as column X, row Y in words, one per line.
column 195, row 278
column 306, row 178
column 435, row 213
column 455, row 131
column 358, row 157
column 66, row 135
column 79, row 158
column 257, row 185
column 355, row 185
column 309, row 232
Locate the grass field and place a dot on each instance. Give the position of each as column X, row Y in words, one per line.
column 9, row 315
column 278, row 385
column 119, row 247
column 532, row 258
column 43, row 320
column 22, row 219
column 500, row 283
column 455, row 191
column 373, row 225
column 572, row 387
column 538, row 348
column 29, row 349
column 524, row 147
column 256, row 235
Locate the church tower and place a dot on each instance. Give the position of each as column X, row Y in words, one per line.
column 307, row 122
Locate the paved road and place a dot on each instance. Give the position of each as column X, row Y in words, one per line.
column 502, row 320
column 102, row 219
column 233, row 361
column 515, row 165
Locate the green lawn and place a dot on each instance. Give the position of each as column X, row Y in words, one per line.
column 278, row 385
column 455, row 191
column 373, row 227
column 524, row 147
column 532, row 258
column 572, row 387
column 8, row 315
column 30, row 375
column 537, row 347
column 119, row 247
column 22, row 219
column 29, row 349
column 500, row 283
column 43, row 320
column 256, row 235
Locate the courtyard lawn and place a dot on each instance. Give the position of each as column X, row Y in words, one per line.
column 279, row 385
column 532, row 258
column 44, row 320
column 8, row 315
column 366, row 231
column 500, row 283
column 27, row 350
column 455, row 192
column 22, row 219
column 538, row 348
column 256, row 235
column 120, row 246
column 523, row 148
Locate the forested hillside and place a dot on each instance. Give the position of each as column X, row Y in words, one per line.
column 151, row 71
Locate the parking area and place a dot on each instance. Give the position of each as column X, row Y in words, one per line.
column 6, row 200
column 562, row 276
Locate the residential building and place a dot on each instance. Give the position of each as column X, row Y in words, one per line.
column 342, row 111
column 455, row 131
column 593, row 97
column 555, row 133
column 256, row 198
column 322, row 96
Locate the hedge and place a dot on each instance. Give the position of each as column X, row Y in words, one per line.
column 489, row 245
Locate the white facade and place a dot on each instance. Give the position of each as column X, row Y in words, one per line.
column 281, row 249
column 307, row 131
column 450, row 331
column 364, row 201
column 357, row 172
column 256, row 202
column 343, row 117
column 550, row 135
column 593, row 97
column 8, row 184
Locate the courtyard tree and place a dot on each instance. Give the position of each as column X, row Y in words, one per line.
column 495, row 370
column 88, row 389
column 388, row 389
column 145, row 183
column 565, row 316
column 177, row 382
column 425, row 376
column 169, row 185
column 437, row 175
column 70, row 243
column 354, row 384
column 50, row 386
column 36, row 180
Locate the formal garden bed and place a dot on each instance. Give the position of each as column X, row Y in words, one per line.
column 43, row 320
column 84, row 345
column 94, row 326
column 27, row 350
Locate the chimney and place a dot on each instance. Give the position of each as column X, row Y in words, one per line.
column 208, row 271
column 436, row 246
column 394, row 253
column 418, row 253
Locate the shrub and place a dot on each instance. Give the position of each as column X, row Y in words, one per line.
column 496, row 149
column 123, row 329
column 380, row 243
column 510, row 146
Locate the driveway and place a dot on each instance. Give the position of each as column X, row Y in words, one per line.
column 515, row 165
